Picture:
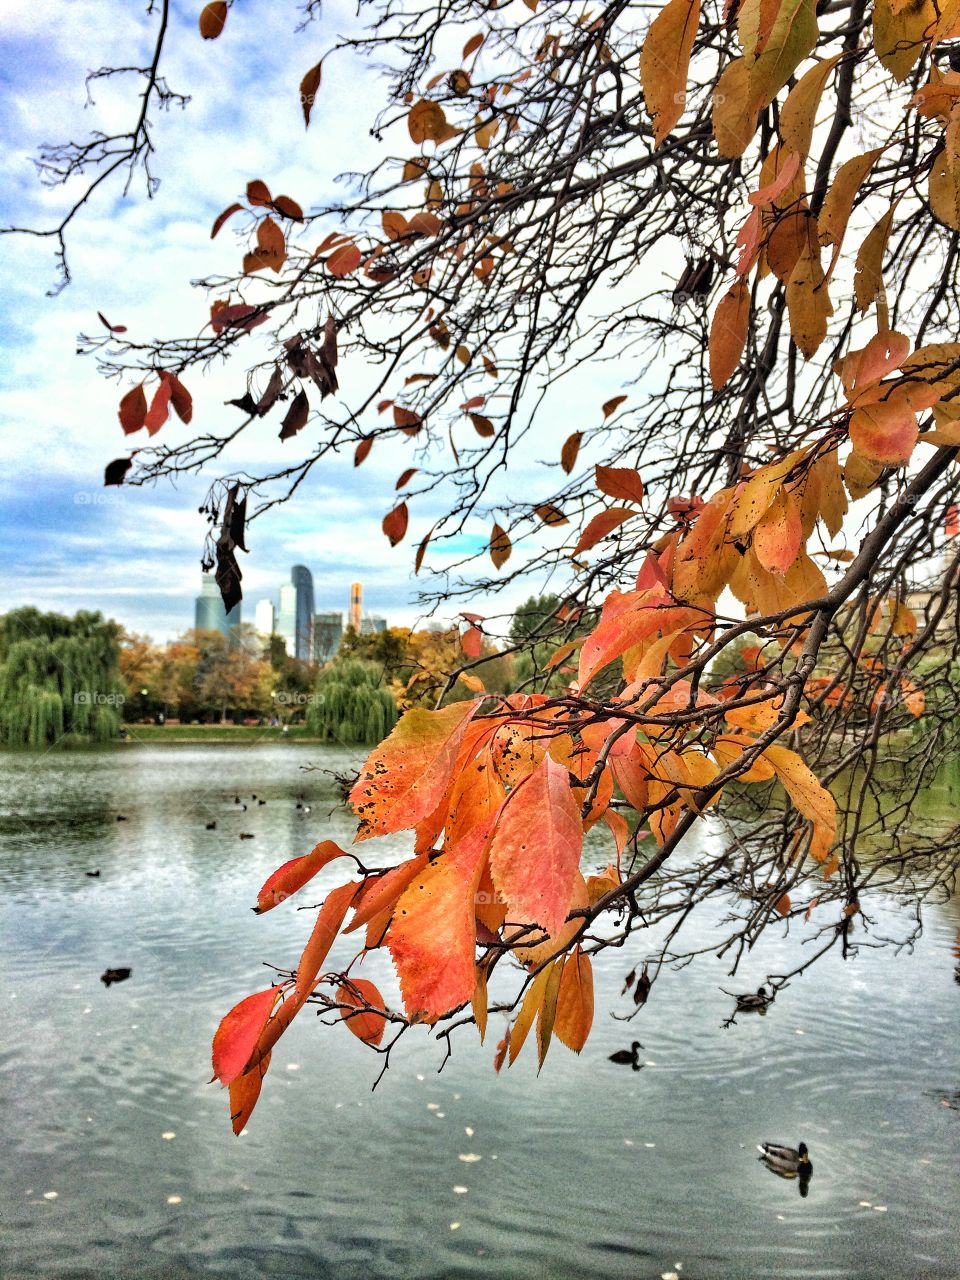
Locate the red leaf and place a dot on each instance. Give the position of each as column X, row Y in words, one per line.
column 288, row 208
column 159, row 409
column 600, row 526
column 244, row 1092
column 180, row 397
column 327, row 926
column 475, row 402
column 344, row 260
column 366, row 1026
column 258, row 192
column 222, row 217
column 535, row 848
column 395, row 523
column 408, row 421
column 612, row 405
column 133, row 410
column 293, row 875
column 114, row 328
column 471, row 640
column 406, row 477
column 237, row 316
column 362, row 450
column 237, row 1035
column 568, row 454
column 620, row 482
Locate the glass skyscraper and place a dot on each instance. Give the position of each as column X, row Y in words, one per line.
column 209, row 613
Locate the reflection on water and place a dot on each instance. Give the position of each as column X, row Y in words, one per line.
column 119, row 1160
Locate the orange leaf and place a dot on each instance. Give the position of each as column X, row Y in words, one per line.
column 133, row 410
column 293, row 875
column 212, row 18
column 620, row 482
column 728, row 333
column 600, row 526
column 244, row 1092
column 258, row 192
column 535, row 847
column 405, row 777
column 665, row 61
column 344, row 259
column 575, row 1001
column 395, row 523
column 407, row 420
column 568, row 454
column 325, row 929
column 473, row 44
column 471, row 641
column 612, row 405
column 427, row 122
column 779, row 535
column 550, row 514
column 385, row 891
column 236, row 1037
column 362, row 450
column 366, row 1026
column 500, row 546
column 308, row 90
column 180, row 397
column 782, row 905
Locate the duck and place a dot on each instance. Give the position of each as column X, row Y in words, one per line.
column 114, row 975
column 94, row 874
column 246, row 835
column 212, row 826
column 121, row 817
column 750, row 1002
column 788, row 1162
column 628, row 1057
column 261, row 802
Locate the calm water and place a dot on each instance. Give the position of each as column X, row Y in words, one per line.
column 592, row 1171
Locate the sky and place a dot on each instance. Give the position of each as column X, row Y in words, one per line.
column 67, row 543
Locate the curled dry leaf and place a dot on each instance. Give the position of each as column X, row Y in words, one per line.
column 308, row 90
column 500, row 546
column 395, row 523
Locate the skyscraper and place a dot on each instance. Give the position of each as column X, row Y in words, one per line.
column 356, row 606
column 302, row 580
column 327, row 631
column 287, row 617
column 265, row 618
column 209, row 613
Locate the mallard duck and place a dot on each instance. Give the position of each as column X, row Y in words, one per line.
column 628, row 1057
column 788, row 1162
column 754, row 1002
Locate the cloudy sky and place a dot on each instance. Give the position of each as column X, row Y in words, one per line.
column 134, row 553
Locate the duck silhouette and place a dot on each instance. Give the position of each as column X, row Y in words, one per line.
column 788, row 1162
column 628, row 1057
column 114, row 975
column 121, row 817
column 212, row 826
column 246, row 835
column 94, row 874
column 754, row 1002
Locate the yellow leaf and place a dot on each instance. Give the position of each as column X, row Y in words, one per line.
column 838, row 204
column 734, row 121
column 898, row 33
column 868, row 281
column 811, row 799
column 808, row 301
column 800, row 109
column 665, row 62
column 532, row 1002
column 548, row 1011
column 479, row 1001
column 793, row 36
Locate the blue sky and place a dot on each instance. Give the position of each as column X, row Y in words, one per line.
column 65, row 542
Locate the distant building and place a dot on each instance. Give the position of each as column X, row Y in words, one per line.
column 286, row 626
column 327, row 633
column 265, row 618
column 302, row 580
column 209, row 613
column 356, row 606
column 372, row 624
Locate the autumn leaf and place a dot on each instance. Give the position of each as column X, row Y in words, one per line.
column 212, row 19
column 133, row 410
column 221, row 218
column 471, row 641
column 115, row 471
column 326, row 927
column 575, row 1001
column 611, row 406
column 308, row 90
column 244, row 1094
column 550, row 515
column 778, row 536
column 362, row 450
column 535, row 847
column 601, row 525
column 293, row 875
column 620, row 482
column 258, row 193
column 295, row 419
column 344, row 260
column 793, row 35
column 404, row 778
column 237, row 1035
column 365, row 1025
column 728, row 333
column 159, row 409
column 665, row 62
column 568, row 454
column 427, row 122
column 500, row 546
column 407, row 420
column 395, row 523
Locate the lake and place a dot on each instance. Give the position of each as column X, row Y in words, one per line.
column 119, row 1160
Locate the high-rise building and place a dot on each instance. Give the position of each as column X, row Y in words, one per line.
column 371, row 624
column 302, row 580
column 327, row 632
column 286, row 626
column 265, row 618
column 356, row 606
column 209, row 613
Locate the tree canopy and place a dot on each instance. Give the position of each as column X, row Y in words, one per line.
column 770, row 450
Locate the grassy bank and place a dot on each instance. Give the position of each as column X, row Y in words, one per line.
column 180, row 733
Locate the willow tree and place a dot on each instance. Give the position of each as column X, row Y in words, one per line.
column 58, row 676
column 772, row 451
column 350, row 704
